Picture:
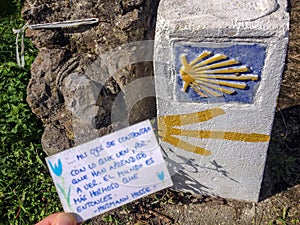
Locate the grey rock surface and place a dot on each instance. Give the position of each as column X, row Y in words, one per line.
column 68, row 90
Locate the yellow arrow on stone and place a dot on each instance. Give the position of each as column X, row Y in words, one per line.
column 166, row 130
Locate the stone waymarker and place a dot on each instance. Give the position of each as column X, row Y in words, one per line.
column 218, row 67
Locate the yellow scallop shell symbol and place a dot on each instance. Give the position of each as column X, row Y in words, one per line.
column 213, row 75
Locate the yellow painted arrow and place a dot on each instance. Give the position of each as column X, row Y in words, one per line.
column 167, row 123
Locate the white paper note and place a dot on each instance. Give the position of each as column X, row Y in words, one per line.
column 110, row 171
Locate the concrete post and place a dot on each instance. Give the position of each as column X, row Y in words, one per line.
column 218, row 67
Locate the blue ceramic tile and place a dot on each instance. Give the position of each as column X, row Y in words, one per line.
column 250, row 55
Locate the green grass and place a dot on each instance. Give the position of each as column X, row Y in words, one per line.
column 27, row 193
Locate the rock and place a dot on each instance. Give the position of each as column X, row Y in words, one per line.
column 55, row 139
column 67, row 76
column 43, row 96
column 80, row 96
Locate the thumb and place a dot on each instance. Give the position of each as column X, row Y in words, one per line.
column 58, row 219
column 64, row 219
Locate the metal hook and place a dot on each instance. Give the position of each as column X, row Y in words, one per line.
column 70, row 23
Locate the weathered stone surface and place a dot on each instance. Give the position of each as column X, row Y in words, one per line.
column 80, row 96
column 44, row 97
column 66, row 79
column 55, row 139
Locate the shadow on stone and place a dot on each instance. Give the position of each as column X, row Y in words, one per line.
column 283, row 160
column 184, row 181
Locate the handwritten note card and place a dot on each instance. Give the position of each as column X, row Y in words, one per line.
column 110, row 171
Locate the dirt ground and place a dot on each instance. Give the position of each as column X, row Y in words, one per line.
column 280, row 194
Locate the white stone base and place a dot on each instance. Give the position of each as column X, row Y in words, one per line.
column 251, row 32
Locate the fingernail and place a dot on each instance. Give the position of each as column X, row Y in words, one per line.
column 65, row 219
